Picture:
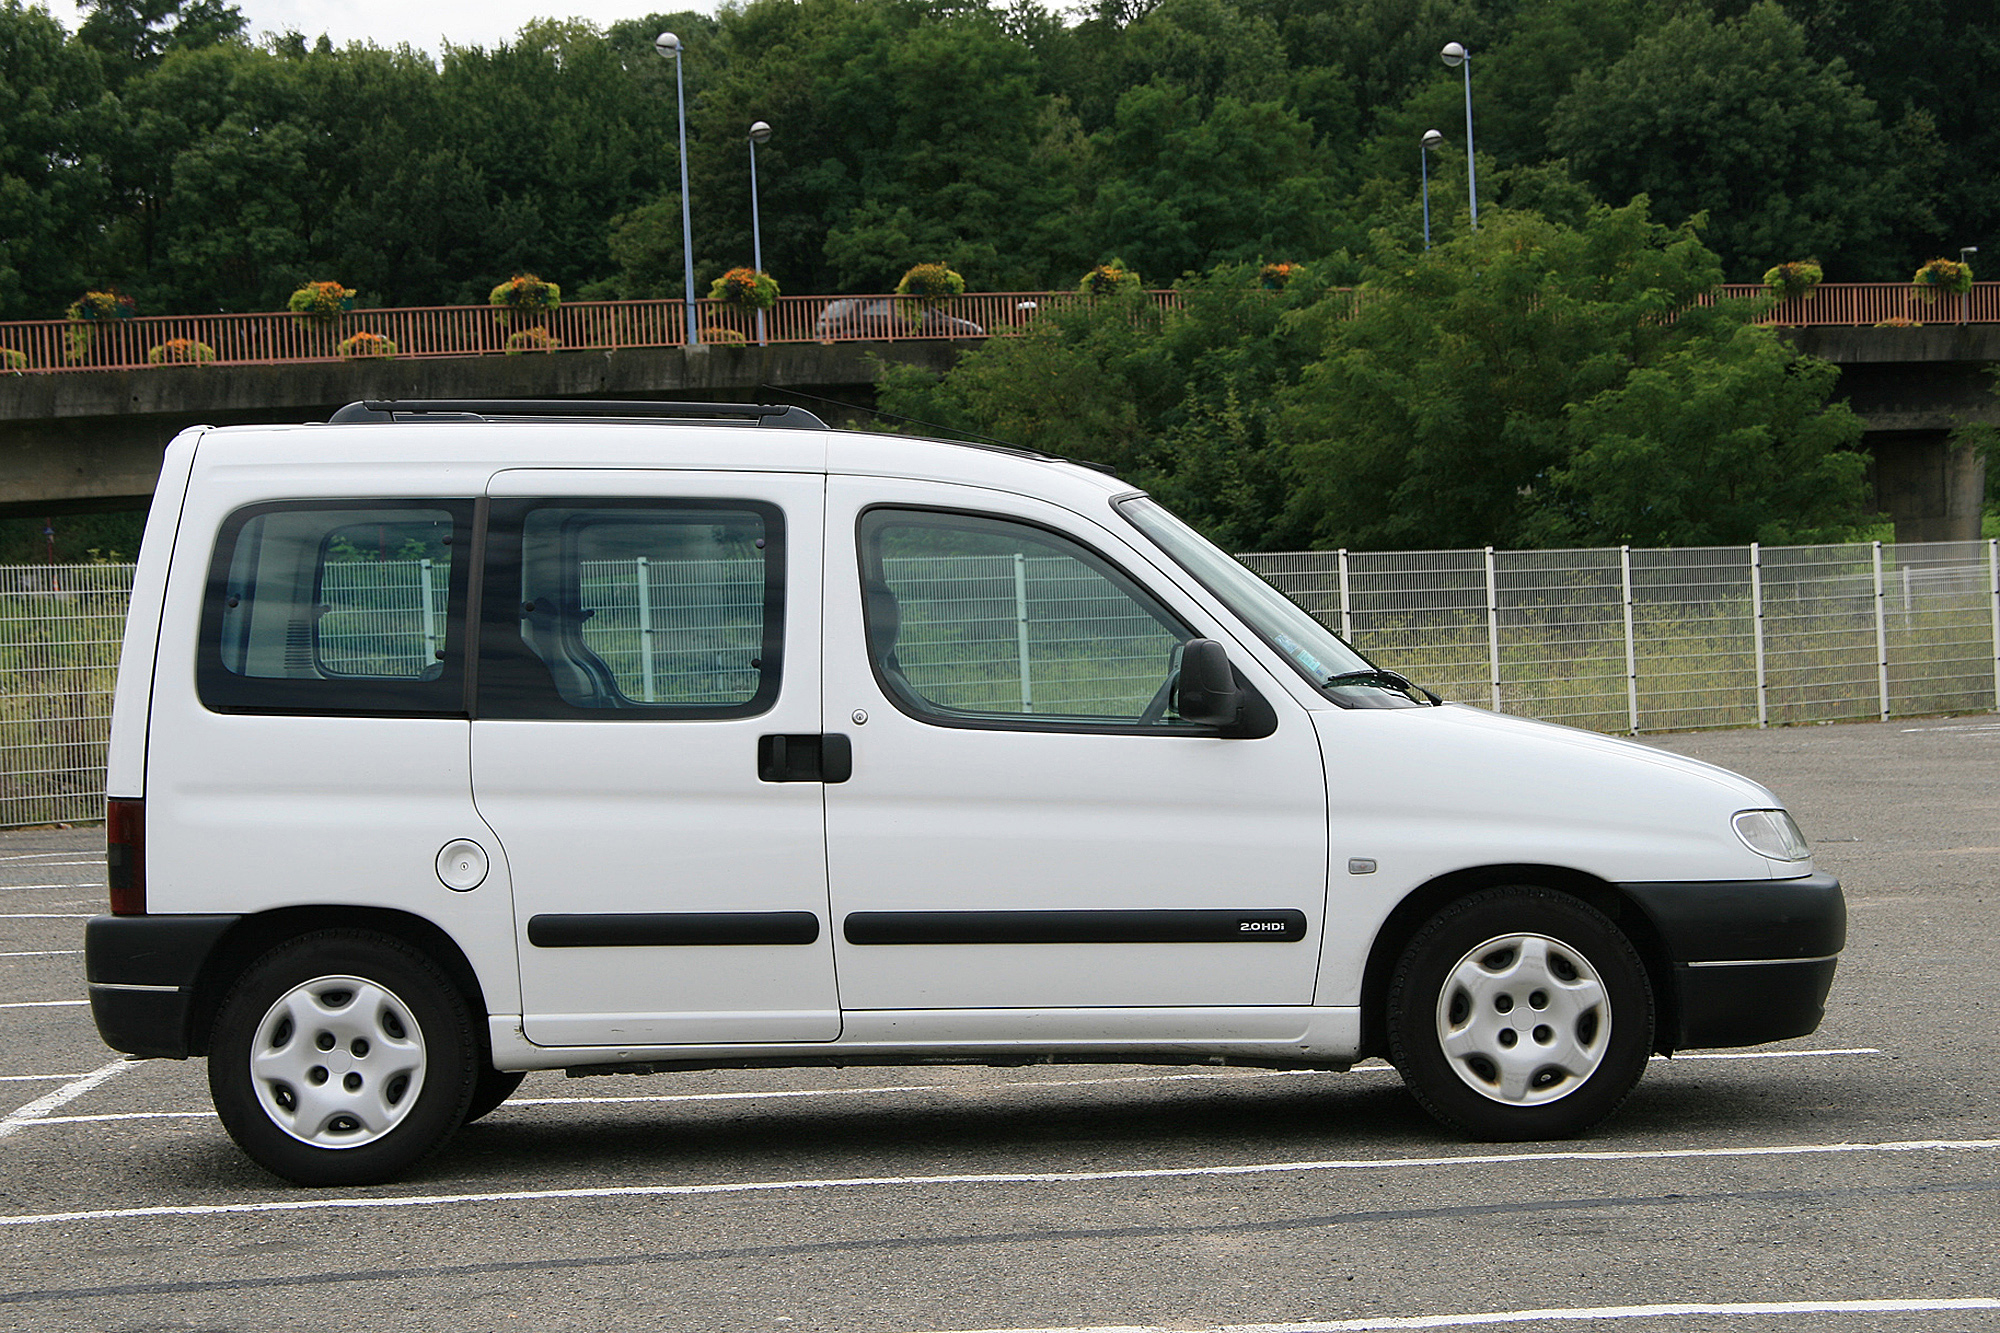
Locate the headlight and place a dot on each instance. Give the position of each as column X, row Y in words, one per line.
column 1772, row 833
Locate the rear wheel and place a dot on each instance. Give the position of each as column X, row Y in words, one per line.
column 342, row 1057
column 1520, row 1013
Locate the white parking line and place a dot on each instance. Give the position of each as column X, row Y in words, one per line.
column 21, row 888
column 44, row 1004
column 996, row 1178
column 40, row 953
column 1602, row 1312
column 62, row 1096
column 46, row 916
column 30, row 856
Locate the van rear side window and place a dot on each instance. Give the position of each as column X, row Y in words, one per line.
column 343, row 608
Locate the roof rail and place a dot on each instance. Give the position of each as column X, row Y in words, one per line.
column 530, row 409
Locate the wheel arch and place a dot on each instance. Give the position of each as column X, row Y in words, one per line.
column 254, row 936
column 1431, row 897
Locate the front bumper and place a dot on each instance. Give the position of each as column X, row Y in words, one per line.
column 1752, row 960
column 142, row 972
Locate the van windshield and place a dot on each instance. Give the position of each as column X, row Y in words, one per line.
column 1336, row 669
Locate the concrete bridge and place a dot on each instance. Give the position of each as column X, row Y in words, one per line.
column 88, row 440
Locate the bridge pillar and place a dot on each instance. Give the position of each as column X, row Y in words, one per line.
column 1933, row 488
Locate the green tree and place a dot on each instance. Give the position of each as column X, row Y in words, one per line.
column 1738, row 119
column 55, row 124
column 1534, row 383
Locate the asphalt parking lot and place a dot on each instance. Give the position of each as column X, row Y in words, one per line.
column 1850, row 1180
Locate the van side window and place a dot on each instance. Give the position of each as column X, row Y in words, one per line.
column 651, row 609
column 988, row 621
column 349, row 607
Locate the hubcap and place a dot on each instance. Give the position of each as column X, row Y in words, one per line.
column 1524, row 1019
column 337, row 1062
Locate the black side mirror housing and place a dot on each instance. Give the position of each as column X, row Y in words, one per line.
column 1207, row 693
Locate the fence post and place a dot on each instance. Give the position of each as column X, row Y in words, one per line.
column 1631, row 653
column 425, row 594
column 1881, row 636
column 1757, row 633
column 1493, row 627
column 644, row 575
column 1993, row 570
column 1021, row 628
column 1346, row 605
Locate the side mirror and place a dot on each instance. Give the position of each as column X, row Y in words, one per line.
column 1207, row 693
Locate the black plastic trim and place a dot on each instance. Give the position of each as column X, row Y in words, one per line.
column 1757, row 919
column 655, row 929
column 485, row 409
column 1190, row 926
column 1751, row 1003
column 148, row 951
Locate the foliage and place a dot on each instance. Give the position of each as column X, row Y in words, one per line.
column 1274, row 277
column 747, row 288
column 1797, row 278
column 101, row 306
column 1897, row 322
column 1108, row 280
column 1942, row 276
column 12, row 358
column 930, row 284
column 321, row 302
column 1533, row 384
column 178, row 351
column 716, row 333
column 357, row 346
column 526, row 294
column 533, row 339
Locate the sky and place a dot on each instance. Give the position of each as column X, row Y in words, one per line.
column 424, row 24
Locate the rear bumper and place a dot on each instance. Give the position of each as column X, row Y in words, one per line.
column 142, row 972
column 1752, row 960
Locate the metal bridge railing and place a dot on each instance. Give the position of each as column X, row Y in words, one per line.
column 55, row 345
column 1614, row 639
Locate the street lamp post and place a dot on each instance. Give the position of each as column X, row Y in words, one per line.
column 669, row 45
column 759, row 132
column 1430, row 140
column 1457, row 57
column 1965, row 253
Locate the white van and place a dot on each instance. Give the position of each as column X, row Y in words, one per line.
column 455, row 740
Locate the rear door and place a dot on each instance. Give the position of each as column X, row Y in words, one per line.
column 645, row 751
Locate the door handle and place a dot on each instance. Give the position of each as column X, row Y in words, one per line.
column 824, row 757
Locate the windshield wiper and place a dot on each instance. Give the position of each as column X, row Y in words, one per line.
column 1394, row 680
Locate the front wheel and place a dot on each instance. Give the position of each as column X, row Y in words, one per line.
column 1520, row 1013
column 342, row 1057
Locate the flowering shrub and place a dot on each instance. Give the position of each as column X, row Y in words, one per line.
column 102, row 305
column 12, row 359
column 536, row 339
column 525, row 294
column 1275, row 277
column 1106, row 279
column 356, row 346
column 179, row 351
column 1799, row 277
column 321, row 302
column 1942, row 275
column 930, row 284
column 748, row 288
column 1897, row 322
column 715, row 333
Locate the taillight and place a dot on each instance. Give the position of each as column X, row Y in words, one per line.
column 125, row 854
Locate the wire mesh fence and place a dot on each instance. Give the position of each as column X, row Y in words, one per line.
column 1610, row 639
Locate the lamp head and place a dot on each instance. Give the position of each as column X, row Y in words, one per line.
column 1431, row 139
column 1452, row 55
column 759, row 131
column 668, row 45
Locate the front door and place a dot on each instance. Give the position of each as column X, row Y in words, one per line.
column 645, row 751
column 1028, row 824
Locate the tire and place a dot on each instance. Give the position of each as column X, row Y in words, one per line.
column 342, row 1057
column 489, row 1089
column 1520, row 1013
